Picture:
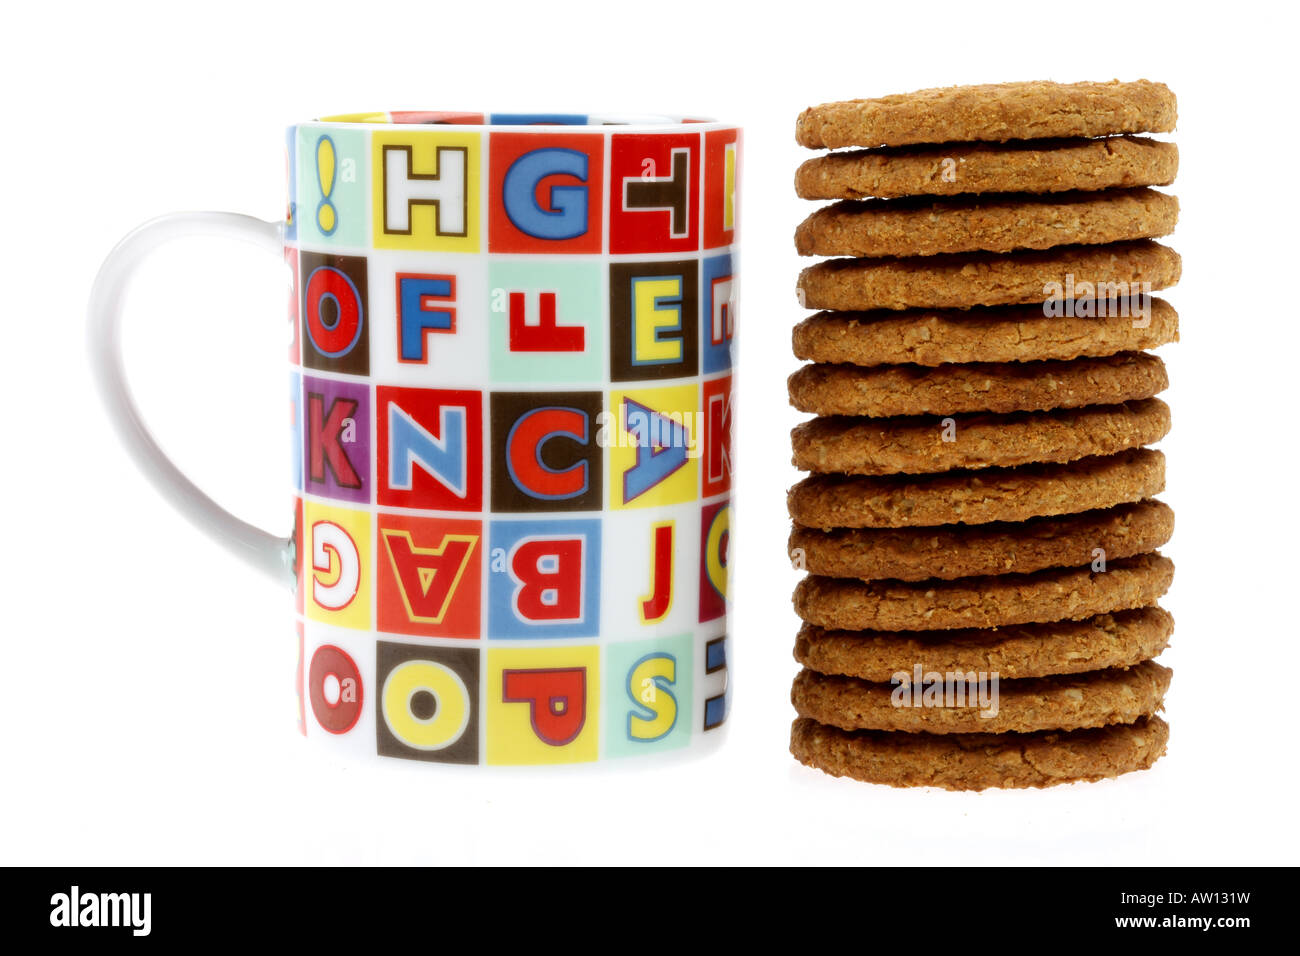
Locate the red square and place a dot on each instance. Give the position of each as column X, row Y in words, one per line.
column 545, row 192
column 716, row 464
column 430, row 574
column 654, row 190
column 430, row 448
column 721, row 195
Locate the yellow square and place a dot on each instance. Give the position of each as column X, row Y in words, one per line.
column 543, row 704
column 729, row 188
column 654, row 451
column 336, row 565
column 425, row 192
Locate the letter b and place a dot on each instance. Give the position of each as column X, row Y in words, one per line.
column 548, row 573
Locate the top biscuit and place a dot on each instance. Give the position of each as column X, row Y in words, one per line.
column 994, row 112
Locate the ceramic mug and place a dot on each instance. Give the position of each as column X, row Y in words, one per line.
column 511, row 390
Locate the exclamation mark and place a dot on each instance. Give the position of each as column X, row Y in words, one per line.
column 326, row 218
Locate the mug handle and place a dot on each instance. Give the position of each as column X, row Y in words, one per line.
column 269, row 553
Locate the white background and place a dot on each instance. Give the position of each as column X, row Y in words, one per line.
column 147, row 704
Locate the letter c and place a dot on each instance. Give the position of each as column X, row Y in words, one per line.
column 524, row 446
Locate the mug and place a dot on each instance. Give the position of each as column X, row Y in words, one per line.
column 511, row 388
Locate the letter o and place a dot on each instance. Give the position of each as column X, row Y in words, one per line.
column 342, row 715
column 336, row 338
column 451, row 713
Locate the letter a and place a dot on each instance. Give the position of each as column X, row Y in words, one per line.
column 662, row 447
column 427, row 577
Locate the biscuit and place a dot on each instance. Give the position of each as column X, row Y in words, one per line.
column 884, row 391
column 1003, row 334
column 922, row 444
column 979, row 761
column 1067, row 702
column 976, row 497
column 993, row 601
column 1121, row 639
column 1002, row 223
column 1031, row 166
column 1113, row 271
column 958, row 551
column 992, row 112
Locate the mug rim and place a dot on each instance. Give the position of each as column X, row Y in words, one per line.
column 520, row 122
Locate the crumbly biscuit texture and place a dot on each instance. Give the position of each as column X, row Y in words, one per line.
column 952, row 169
column 976, row 497
column 923, row 444
column 1095, row 699
column 1112, row 271
column 980, row 761
column 932, row 337
column 979, row 505
column 1003, row 223
column 993, row 112
column 1121, row 639
column 890, row 390
column 958, row 551
column 982, row 602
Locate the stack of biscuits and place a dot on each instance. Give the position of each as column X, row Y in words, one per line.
column 978, row 522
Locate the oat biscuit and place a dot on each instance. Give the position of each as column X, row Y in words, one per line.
column 976, row 497
column 1003, row 223
column 980, row 498
column 992, row 112
column 992, row 601
column 922, row 444
column 989, row 278
column 958, row 551
column 1121, row 639
column 885, row 391
column 980, row 761
column 1066, row 702
column 1002, row 334
column 951, row 169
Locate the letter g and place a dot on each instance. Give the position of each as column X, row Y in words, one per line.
column 567, row 217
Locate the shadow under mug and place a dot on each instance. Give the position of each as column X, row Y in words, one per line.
column 511, row 387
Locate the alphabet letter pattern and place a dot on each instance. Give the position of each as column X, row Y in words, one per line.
column 511, row 416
